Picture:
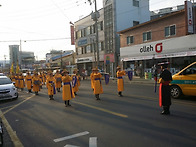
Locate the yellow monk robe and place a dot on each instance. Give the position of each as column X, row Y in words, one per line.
column 79, row 80
column 75, row 82
column 21, row 83
column 98, row 89
column 120, row 82
column 92, row 81
column 16, row 80
column 36, row 83
column 50, row 83
column 28, row 81
column 68, row 93
column 58, row 80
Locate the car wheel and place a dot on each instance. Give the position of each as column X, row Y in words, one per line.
column 175, row 92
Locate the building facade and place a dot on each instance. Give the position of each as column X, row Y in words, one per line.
column 14, row 54
column 115, row 15
column 167, row 38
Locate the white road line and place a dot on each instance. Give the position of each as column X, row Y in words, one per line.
column 93, row 142
column 70, row 145
column 71, row 136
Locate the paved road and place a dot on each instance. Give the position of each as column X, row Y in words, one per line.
column 132, row 120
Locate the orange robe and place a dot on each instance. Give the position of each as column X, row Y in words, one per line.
column 58, row 80
column 50, row 83
column 120, row 82
column 68, row 93
column 28, row 81
column 36, row 83
column 98, row 89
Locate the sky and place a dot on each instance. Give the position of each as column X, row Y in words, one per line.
column 43, row 25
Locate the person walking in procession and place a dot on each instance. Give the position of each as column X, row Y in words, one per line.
column 50, row 82
column 164, row 88
column 75, row 81
column 91, row 77
column 58, row 79
column 67, row 93
column 120, row 82
column 21, row 83
column 98, row 89
column 28, row 80
column 36, row 83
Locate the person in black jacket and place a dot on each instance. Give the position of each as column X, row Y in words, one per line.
column 164, row 89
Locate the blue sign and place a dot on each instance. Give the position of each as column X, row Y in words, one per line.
column 82, row 42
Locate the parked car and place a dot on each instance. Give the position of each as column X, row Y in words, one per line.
column 2, row 74
column 7, row 89
column 184, row 82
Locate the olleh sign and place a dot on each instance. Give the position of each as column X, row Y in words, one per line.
column 157, row 48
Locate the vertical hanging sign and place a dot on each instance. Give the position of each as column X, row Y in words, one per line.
column 72, row 35
column 189, row 16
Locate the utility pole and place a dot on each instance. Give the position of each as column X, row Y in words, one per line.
column 95, row 17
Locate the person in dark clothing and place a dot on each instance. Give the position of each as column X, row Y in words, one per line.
column 164, row 89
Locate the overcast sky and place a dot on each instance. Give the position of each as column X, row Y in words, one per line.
column 35, row 21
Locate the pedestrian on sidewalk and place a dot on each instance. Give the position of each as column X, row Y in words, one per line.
column 164, row 89
column 120, row 82
column 68, row 93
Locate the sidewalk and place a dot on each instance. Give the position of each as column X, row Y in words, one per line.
column 135, row 80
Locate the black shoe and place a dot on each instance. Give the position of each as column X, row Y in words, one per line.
column 165, row 113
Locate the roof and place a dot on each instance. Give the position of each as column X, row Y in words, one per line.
column 152, row 21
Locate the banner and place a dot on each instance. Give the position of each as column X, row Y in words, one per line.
column 107, row 78
column 12, row 68
column 130, row 75
column 72, row 35
column 190, row 22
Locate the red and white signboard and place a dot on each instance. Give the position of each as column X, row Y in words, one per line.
column 189, row 16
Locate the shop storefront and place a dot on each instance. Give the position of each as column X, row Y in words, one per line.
column 179, row 51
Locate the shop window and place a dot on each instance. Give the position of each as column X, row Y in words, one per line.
column 170, row 30
column 147, row 36
column 136, row 3
column 130, row 40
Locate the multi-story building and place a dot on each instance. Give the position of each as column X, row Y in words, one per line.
column 14, row 54
column 116, row 15
column 27, row 59
column 168, row 38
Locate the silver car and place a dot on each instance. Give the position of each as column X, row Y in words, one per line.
column 7, row 89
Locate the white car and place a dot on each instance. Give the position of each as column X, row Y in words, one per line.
column 7, row 89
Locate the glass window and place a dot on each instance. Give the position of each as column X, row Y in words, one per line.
column 88, row 49
column 170, row 30
column 135, row 23
column 147, row 36
column 136, row 3
column 130, row 39
column 79, row 51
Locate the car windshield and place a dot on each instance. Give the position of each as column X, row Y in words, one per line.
column 4, row 81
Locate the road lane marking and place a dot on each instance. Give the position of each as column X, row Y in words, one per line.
column 18, row 104
column 71, row 136
column 70, row 145
column 102, row 109
column 93, row 142
column 12, row 134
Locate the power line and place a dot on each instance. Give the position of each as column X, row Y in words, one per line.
column 36, row 40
